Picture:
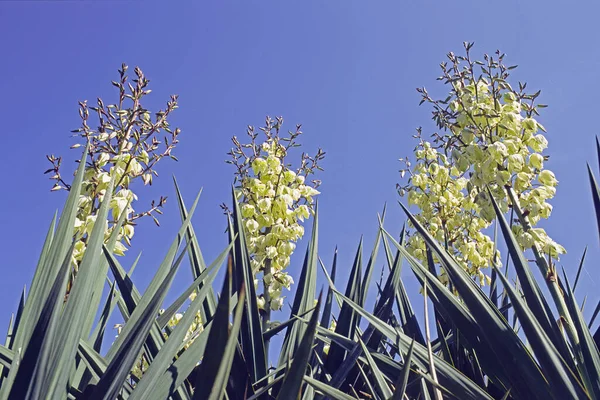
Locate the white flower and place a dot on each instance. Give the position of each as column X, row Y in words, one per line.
column 247, row 210
column 264, row 205
column 515, row 163
column 538, row 143
column 259, row 166
column 271, row 252
column 103, row 158
column 252, row 225
column 261, row 302
column 529, row 124
column 277, row 303
column 547, row 178
column 536, row 160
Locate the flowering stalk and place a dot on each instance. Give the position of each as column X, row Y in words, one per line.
column 124, row 147
column 490, row 139
column 274, row 201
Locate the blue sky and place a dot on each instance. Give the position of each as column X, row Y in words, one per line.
column 346, row 70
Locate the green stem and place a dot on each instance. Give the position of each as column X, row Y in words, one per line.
column 266, row 316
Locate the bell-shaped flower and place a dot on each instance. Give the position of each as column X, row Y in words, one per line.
column 259, row 166
column 303, row 212
column 509, row 97
column 289, row 176
column 264, row 205
column 530, row 125
column 515, row 163
column 103, row 159
column 78, row 251
column 252, row 225
column 119, row 249
column 286, row 248
column 260, row 301
column 498, row 151
column 273, row 163
column 536, row 160
column 265, row 220
column 288, row 200
column 545, row 210
column 538, row 143
column 135, row 168
column 129, row 230
column 271, row 252
column 248, row 210
column 547, row 178
column 277, row 303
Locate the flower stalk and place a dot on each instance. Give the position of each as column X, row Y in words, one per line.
column 275, row 199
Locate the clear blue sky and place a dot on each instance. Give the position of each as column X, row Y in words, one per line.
column 346, row 70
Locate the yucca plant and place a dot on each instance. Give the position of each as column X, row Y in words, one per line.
column 515, row 342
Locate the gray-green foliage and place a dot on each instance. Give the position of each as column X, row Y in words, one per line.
column 508, row 344
column 477, row 354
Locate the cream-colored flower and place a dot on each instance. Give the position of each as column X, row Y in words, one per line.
column 547, row 178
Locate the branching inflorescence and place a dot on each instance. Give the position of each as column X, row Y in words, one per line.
column 489, row 140
column 275, row 199
column 124, row 147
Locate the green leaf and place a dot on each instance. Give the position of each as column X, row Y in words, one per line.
column 448, row 376
column 403, row 377
column 173, row 378
column 163, row 360
column 101, row 269
column 6, row 356
column 290, row 389
column 562, row 380
column 381, row 385
column 213, row 374
column 347, row 320
column 408, row 319
column 54, row 251
column 77, row 307
column 132, row 338
column 305, row 294
column 205, row 278
column 95, row 363
column 531, row 291
column 328, row 390
column 253, row 345
column 371, row 263
column 28, row 381
column 519, row 366
column 595, row 194
column 10, row 335
column 196, row 260
column 98, row 334
column 579, row 269
column 131, row 295
column 587, row 347
column 326, row 316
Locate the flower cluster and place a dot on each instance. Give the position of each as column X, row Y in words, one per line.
column 194, row 329
column 332, row 329
column 274, row 201
column 192, row 333
column 123, row 148
column 492, row 141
